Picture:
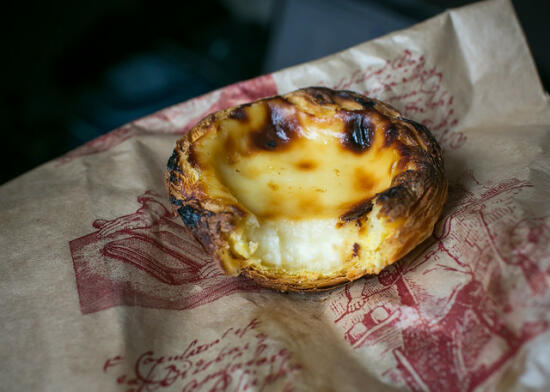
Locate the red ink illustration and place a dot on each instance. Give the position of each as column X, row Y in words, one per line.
column 455, row 336
column 414, row 88
column 111, row 362
column 240, row 359
column 149, row 259
column 179, row 118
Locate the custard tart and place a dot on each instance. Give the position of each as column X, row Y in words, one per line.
column 307, row 190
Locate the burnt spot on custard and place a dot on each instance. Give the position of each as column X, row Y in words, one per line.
column 306, row 165
column 240, row 114
column 356, row 249
column 363, row 181
column 358, row 132
column 279, row 129
column 357, row 211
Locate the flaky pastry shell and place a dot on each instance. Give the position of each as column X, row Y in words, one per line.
column 308, row 190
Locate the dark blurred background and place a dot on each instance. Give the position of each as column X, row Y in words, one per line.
column 75, row 70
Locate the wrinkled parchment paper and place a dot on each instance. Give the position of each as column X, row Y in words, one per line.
column 102, row 289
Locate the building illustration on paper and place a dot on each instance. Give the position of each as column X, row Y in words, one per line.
column 454, row 336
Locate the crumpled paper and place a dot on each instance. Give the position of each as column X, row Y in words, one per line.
column 103, row 288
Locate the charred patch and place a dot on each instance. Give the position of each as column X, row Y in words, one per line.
column 406, row 154
column 390, row 135
column 423, row 132
column 361, row 100
column 321, row 95
column 396, row 201
column 280, row 129
column 239, row 114
column 306, row 165
column 392, row 193
column 358, row 132
column 356, row 249
column 173, row 162
column 419, row 127
column 192, row 216
column 402, row 163
column 174, row 201
column 357, row 211
column 173, row 176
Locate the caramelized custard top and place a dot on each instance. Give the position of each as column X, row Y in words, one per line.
column 305, row 156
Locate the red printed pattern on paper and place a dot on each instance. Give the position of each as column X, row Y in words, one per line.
column 455, row 336
column 240, row 359
column 149, row 259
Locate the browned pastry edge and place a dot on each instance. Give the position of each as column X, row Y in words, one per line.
column 415, row 196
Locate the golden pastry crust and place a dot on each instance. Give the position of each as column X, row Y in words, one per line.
column 351, row 162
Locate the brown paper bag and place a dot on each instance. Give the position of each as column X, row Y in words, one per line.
column 104, row 289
